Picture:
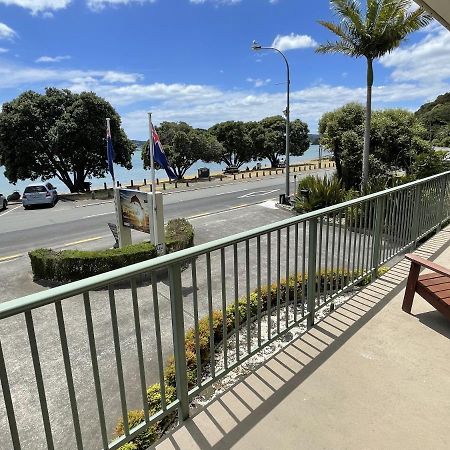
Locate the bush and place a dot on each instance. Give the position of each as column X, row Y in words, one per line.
column 179, row 235
column 431, row 163
column 72, row 265
column 141, row 441
column 315, row 193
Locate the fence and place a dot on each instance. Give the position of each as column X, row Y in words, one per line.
column 84, row 354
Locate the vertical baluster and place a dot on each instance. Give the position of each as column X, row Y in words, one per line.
column 118, row 354
column 370, row 229
column 236, row 301
column 258, row 285
column 338, row 255
column 196, row 329
column 349, row 252
column 288, row 290
column 95, row 371
column 278, row 278
column 319, row 263
column 269, row 289
column 212, row 355
column 224, row 308
column 295, row 271
column 327, row 250
column 304, row 270
column 69, row 376
column 8, row 402
column 247, row 289
column 312, row 249
column 344, row 249
column 39, row 379
column 355, row 218
column 361, row 207
column 179, row 349
column 159, row 354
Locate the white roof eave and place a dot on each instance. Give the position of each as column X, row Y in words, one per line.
column 440, row 10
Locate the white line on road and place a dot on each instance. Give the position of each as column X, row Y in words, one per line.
column 97, row 215
column 254, row 194
column 231, row 192
column 10, row 210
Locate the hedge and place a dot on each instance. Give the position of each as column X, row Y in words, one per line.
column 72, row 265
column 333, row 281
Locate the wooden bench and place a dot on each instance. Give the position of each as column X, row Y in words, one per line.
column 433, row 287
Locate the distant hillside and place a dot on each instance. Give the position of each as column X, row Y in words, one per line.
column 435, row 117
column 314, row 138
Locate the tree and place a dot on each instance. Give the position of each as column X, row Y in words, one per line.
column 397, row 136
column 435, row 117
column 269, row 138
column 183, row 146
column 59, row 134
column 237, row 146
column 372, row 34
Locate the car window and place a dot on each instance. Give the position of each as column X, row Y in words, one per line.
column 30, row 189
column 50, row 186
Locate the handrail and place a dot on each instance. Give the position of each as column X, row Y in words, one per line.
column 26, row 303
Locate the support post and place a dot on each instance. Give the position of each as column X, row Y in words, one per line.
column 378, row 234
column 176, row 302
column 312, row 251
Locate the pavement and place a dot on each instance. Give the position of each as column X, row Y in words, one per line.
column 367, row 376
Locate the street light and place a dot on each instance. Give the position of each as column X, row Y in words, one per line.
column 256, row 47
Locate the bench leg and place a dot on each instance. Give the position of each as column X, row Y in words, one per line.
column 411, row 287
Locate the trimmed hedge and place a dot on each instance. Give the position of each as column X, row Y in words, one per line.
column 333, row 281
column 72, row 265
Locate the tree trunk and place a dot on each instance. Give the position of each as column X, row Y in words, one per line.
column 273, row 160
column 365, row 165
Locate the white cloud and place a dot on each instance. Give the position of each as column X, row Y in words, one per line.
column 6, row 32
column 257, row 82
column 218, row 2
column 4, row 50
column 293, row 41
column 97, row 5
column 38, row 6
column 52, row 59
column 427, row 60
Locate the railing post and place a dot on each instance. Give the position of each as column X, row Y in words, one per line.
column 441, row 202
column 378, row 234
column 176, row 302
column 311, row 286
column 416, row 216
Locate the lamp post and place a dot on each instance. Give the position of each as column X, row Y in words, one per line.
column 256, row 47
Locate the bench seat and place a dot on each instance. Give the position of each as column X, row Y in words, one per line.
column 432, row 287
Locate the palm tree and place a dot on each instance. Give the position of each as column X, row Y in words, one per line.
column 371, row 33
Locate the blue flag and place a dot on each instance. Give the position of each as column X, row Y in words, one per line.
column 110, row 152
column 160, row 157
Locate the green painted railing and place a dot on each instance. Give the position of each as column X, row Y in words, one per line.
column 75, row 358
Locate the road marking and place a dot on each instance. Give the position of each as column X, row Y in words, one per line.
column 196, row 216
column 94, row 204
column 10, row 210
column 83, row 240
column 7, row 258
column 97, row 215
column 256, row 193
column 231, row 192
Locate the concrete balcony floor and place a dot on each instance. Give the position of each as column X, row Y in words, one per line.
column 369, row 376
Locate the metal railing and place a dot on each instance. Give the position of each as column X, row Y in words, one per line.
column 76, row 357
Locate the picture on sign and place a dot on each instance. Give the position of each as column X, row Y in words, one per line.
column 135, row 213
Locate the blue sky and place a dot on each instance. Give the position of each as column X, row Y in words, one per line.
column 191, row 60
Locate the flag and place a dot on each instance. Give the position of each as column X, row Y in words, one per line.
column 110, row 151
column 160, row 157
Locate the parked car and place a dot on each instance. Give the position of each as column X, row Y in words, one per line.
column 3, row 202
column 39, row 194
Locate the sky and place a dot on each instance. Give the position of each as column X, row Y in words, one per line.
column 191, row 60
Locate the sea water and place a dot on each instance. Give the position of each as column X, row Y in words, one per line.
column 138, row 174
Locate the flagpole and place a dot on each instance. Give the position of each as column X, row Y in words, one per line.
column 152, row 171
column 108, row 128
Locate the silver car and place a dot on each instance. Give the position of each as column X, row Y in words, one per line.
column 3, row 202
column 39, row 194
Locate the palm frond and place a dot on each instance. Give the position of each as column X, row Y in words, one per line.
column 350, row 10
column 337, row 47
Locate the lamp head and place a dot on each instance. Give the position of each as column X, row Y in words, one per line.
column 256, row 46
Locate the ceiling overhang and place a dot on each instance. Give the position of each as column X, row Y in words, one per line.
column 440, row 9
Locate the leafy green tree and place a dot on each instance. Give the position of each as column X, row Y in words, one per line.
column 59, row 134
column 430, row 163
column 435, row 117
column 184, row 146
column 269, row 138
column 371, row 33
column 397, row 136
column 237, row 146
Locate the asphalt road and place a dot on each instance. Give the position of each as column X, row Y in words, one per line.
column 70, row 222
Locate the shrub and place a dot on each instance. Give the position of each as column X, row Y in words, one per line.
column 179, row 235
column 315, row 193
column 72, row 265
column 143, row 440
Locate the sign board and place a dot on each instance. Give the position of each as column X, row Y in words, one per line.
column 135, row 210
